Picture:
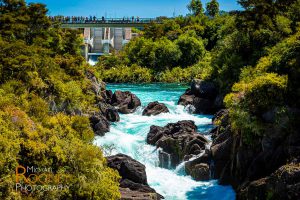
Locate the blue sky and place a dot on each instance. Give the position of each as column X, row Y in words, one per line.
column 121, row 8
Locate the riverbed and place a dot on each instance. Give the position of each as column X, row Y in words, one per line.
column 129, row 137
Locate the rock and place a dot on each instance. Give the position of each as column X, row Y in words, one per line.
column 96, row 85
column 107, row 96
column 155, row 108
column 178, row 140
column 99, row 124
column 109, row 112
column 284, row 183
column 199, row 168
column 202, row 96
column 112, row 115
column 200, row 172
column 128, row 168
column 127, row 194
column 221, row 155
column 259, row 169
column 164, row 159
column 203, row 89
column 125, row 102
column 133, row 175
column 186, row 98
column 203, row 106
column 218, row 103
column 126, row 183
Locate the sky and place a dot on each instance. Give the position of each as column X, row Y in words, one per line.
column 125, row 8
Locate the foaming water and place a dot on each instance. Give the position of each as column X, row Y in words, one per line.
column 129, row 137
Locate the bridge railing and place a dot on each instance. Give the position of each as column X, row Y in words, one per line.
column 83, row 20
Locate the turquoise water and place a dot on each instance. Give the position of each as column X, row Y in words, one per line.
column 129, row 137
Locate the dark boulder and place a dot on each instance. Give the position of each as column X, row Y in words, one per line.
column 203, row 106
column 133, row 174
column 128, row 194
column 109, row 112
column 106, row 96
column 200, row 172
column 284, row 183
column 155, row 108
column 199, row 168
column 178, row 140
column 203, row 89
column 128, row 168
column 112, row 115
column 125, row 102
column 187, row 98
column 202, row 96
column 99, row 124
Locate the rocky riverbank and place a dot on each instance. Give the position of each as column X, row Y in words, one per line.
column 268, row 168
column 133, row 184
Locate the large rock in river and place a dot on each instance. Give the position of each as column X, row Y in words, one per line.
column 178, row 140
column 133, row 175
column 202, row 96
column 155, row 108
column 203, row 89
column 125, row 102
column 99, row 124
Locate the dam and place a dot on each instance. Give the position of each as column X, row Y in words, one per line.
column 103, row 36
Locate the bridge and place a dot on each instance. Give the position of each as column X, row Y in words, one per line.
column 110, row 22
column 101, row 36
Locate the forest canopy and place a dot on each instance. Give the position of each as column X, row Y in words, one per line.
column 43, row 82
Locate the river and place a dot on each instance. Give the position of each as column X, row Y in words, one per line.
column 129, row 137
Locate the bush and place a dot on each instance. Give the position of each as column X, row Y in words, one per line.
column 40, row 66
column 126, row 74
column 60, row 143
column 192, row 49
column 259, row 95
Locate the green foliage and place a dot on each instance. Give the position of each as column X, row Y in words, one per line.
column 158, row 55
column 59, row 143
column 195, row 6
column 141, row 51
column 167, row 54
column 212, row 8
column 42, row 80
column 260, row 94
column 126, row 74
column 192, row 49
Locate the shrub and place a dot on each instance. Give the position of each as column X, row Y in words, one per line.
column 259, row 95
column 126, row 74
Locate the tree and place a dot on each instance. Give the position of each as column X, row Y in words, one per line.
column 212, row 8
column 195, row 6
column 192, row 49
column 167, row 54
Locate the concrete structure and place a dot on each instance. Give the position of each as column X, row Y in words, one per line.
column 104, row 40
column 103, row 36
